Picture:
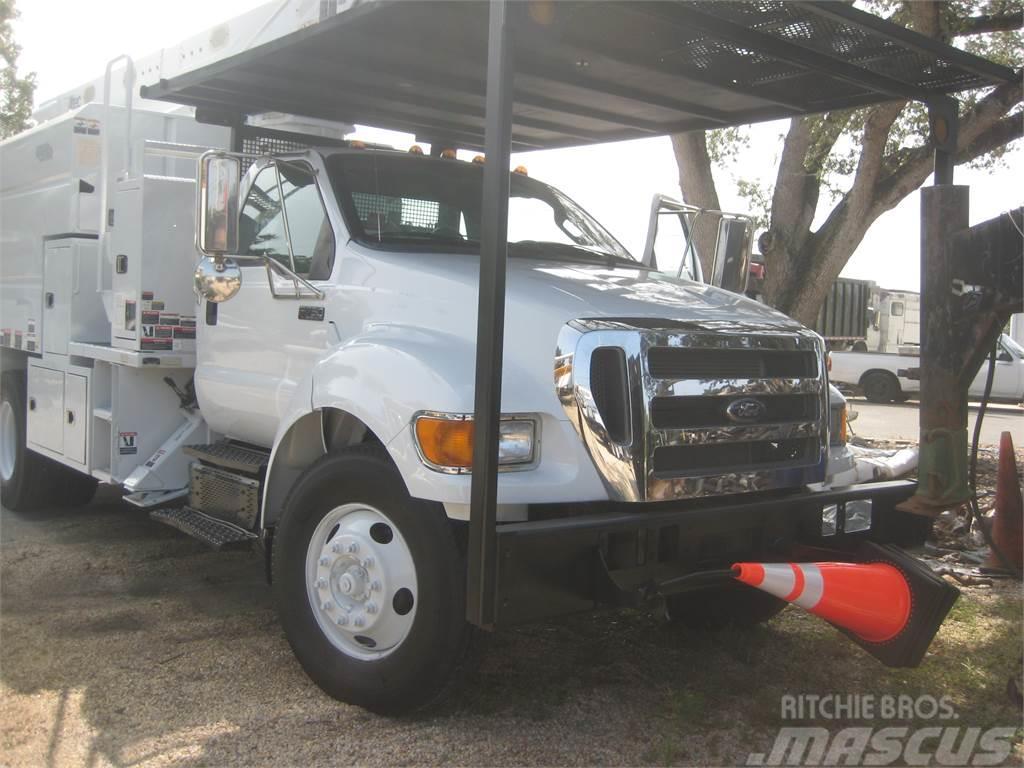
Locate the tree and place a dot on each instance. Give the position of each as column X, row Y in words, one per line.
column 864, row 160
column 15, row 92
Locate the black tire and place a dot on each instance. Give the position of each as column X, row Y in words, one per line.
column 72, row 488
column 881, row 387
column 29, row 484
column 735, row 606
column 418, row 670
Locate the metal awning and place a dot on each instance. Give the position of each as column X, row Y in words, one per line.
column 586, row 72
column 504, row 75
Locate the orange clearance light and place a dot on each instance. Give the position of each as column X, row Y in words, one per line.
column 542, row 12
column 521, row 170
column 446, row 442
column 478, row 160
column 842, row 426
column 415, row 149
column 357, row 144
column 448, row 154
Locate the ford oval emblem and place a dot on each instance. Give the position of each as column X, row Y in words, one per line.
column 746, row 409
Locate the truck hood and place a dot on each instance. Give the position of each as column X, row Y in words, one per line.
column 558, row 291
column 587, row 290
column 426, row 306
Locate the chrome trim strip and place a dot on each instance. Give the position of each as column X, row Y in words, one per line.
column 747, row 433
column 734, row 387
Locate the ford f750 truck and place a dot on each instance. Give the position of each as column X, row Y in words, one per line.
column 289, row 364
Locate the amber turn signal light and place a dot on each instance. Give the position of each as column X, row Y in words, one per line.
column 445, row 442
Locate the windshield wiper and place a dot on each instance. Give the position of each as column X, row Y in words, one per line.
column 576, row 252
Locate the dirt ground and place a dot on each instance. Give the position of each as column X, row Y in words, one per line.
column 123, row 642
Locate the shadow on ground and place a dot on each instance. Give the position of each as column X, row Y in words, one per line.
column 123, row 642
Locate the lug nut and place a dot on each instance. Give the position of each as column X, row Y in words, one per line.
column 321, row 583
column 371, row 607
column 326, row 606
column 359, row 621
column 325, row 561
column 336, row 548
column 341, row 621
column 375, row 586
column 368, row 563
column 353, row 548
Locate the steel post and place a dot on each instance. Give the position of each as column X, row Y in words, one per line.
column 482, row 570
column 942, row 467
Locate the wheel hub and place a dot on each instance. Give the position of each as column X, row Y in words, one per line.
column 347, row 576
column 361, row 581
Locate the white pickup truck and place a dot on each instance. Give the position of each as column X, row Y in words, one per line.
column 881, row 376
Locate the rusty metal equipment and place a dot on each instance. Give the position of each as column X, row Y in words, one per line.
column 972, row 280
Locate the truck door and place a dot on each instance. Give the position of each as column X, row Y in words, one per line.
column 255, row 348
column 1008, row 379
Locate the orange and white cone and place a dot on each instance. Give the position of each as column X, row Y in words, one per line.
column 871, row 600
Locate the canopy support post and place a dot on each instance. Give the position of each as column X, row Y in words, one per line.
column 482, row 567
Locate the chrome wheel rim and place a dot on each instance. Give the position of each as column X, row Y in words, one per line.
column 8, row 441
column 361, row 581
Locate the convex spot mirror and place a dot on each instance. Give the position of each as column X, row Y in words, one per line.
column 731, row 268
column 217, row 231
column 217, row 279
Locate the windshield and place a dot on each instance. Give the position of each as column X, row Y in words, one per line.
column 1012, row 346
column 422, row 203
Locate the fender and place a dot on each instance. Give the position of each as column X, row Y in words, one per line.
column 371, row 385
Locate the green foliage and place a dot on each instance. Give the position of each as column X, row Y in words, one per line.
column 836, row 136
column 15, row 92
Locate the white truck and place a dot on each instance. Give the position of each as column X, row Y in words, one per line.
column 883, row 376
column 293, row 369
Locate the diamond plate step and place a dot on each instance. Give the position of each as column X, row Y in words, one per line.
column 214, row 533
column 230, row 456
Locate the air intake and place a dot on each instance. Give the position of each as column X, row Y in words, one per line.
column 609, row 384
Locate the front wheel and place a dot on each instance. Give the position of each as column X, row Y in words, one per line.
column 370, row 584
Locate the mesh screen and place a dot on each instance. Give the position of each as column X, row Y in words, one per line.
column 396, row 211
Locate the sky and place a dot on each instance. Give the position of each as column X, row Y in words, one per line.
column 68, row 42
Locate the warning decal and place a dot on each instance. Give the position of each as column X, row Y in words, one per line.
column 128, row 443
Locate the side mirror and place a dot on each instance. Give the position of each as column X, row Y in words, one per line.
column 731, row 268
column 217, row 219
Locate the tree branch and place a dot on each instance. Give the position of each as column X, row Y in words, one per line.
column 977, row 130
column 989, row 22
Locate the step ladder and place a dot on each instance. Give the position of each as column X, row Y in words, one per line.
column 225, row 483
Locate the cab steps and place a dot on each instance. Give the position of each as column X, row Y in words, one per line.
column 216, row 534
column 231, row 456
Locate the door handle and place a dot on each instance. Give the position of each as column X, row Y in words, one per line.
column 31, row 403
column 49, row 299
column 71, row 417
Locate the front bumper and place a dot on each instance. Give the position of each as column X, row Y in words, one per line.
column 623, row 554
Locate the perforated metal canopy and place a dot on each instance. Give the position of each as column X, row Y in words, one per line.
column 586, row 72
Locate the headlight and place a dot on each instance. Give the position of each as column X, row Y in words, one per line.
column 445, row 441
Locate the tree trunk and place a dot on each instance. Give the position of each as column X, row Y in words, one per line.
column 698, row 187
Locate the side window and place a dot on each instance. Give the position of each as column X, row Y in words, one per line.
column 896, row 309
column 265, row 226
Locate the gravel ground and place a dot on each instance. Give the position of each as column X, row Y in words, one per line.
column 122, row 642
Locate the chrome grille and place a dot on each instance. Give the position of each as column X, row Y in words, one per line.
column 710, row 411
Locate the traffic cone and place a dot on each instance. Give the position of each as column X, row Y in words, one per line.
column 870, row 600
column 1008, row 521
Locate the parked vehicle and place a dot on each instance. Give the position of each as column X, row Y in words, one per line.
column 882, row 377
column 295, row 363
